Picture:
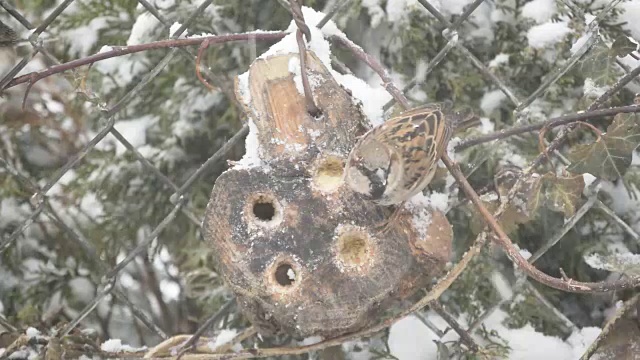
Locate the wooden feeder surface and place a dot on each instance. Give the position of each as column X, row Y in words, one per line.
column 297, row 247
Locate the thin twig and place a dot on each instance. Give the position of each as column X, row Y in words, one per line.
column 201, row 49
column 303, row 28
column 125, row 50
column 551, row 123
column 628, row 306
column 514, row 255
column 373, row 63
column 207, row 324
column 464, row 335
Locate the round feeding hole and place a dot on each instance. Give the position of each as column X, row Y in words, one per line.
column 329, row 173
column 263, row 210
column 354, row 248
column 285, row 275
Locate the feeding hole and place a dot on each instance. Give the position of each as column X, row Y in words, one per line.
column 284, row 274
column 354, row 248
column 264, row 210
column 329, row 173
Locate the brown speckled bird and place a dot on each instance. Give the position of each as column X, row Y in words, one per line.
column 8, row 36
column 396, row 160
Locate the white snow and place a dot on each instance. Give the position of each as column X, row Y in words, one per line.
column 251, row 157
column 135, row 131
column 224, row 337
column 502, row 286
column 311, row 340
column 375, row 12
column 500, row 59
column 487, row 126
column 421, row 71
column 291, row 274
column 588, row 179
column 547, row 34
column 174, row 27
column 88, row 33
column 115, row 345
column 142, row 29
column 622, row 203
column 421, row 221
column 577, row 45
column 512, row 158
column 398, row 10
column 11, row 210
column 630, row 16
column 439, row 201
column 371, row 97
column 32, row 332
column 452, row 7
column 82, row 289
column 626, row 262
column 491, row 100
column 411, row 339
column 590, row 88
column 525, row 253
column 539, row 10
column 434, row 200
column 170, row 290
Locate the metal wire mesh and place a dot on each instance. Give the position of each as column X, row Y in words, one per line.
column 179, row 193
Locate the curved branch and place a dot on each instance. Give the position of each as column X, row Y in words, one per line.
column 506, row 244
column 125, row 50
column 375, row 65
column 554, row 122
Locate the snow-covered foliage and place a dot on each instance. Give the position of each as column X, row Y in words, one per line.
column 111, row 202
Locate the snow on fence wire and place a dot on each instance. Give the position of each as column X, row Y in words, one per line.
column 179, row 196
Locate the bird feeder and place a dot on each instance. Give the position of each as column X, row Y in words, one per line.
column 303, row 254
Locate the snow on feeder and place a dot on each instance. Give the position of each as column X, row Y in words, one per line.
column 303, row 254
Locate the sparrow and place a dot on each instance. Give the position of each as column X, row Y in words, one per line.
column 8, row 36
column 394, row 161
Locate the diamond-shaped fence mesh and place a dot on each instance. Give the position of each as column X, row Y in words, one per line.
column 112, row 285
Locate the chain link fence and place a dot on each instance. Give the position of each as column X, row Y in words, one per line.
column 179, row 193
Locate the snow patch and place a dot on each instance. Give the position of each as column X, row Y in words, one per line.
column 491, row 100
column 590, row 88
column 224, row 337
column 142, row 29
column 115, row 345
column 630, row 16
column 487, row 126
column 174, row 27
column 134, row 131
column 499, row 60
column 539, row 10
column 547, row 34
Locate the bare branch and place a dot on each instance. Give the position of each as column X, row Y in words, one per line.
column 505, row 243
column 375, row 65
column 33, row 77
column 551, row 123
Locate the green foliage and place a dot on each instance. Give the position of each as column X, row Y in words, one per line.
column 609, row 156
column 557, row 193
column 527, row 309
column 600, row 63
column 114, row 202
column 563, row 193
